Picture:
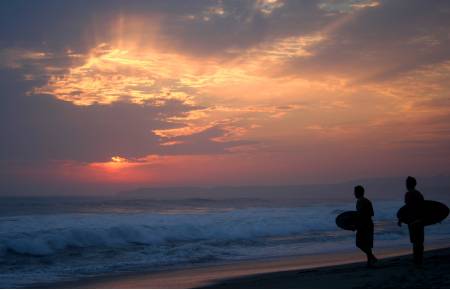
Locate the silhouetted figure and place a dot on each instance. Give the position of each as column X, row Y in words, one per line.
column 364, row 227
column 414, row 200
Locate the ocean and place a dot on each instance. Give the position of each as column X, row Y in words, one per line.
column 55, row 239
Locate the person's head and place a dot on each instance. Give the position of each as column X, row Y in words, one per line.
column 359, row 191
column 411, row 183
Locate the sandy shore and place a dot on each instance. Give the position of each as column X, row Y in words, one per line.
column 339, row 270
column 396, row 272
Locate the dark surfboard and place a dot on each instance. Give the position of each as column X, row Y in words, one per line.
column 347, row 220
column 431, row 212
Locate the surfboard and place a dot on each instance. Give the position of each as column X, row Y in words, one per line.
column 432, row 212
column 347, row 220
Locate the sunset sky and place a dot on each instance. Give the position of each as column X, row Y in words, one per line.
column 107, row 95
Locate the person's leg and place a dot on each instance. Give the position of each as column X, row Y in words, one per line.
column 364, row 241
column 368, row 253
column 418, row 253
column 366, row 249
column 370, row 243
column 416, row 232
column 361, row 243
column 420, row 232
column 371, row 259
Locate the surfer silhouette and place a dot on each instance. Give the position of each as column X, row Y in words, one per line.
column 364, row 225
column 414, row 200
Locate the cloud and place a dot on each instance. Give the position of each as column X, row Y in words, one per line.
column 109, row 75
column 195, row 27
column 381, row 42
column 106, row 90
column 213, row 140
column 41, row 127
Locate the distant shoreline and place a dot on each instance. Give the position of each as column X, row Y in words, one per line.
column 287, row 272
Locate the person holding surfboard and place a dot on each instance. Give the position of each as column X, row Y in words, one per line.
column 414, row 201
column 364, row 225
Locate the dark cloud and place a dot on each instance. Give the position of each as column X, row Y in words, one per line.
column 379, row 43
column 58, row 25
column 241, row 26
column 41, row 127
column 409, row 33
column 191, row 26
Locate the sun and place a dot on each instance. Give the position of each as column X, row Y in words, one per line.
column 115, row 164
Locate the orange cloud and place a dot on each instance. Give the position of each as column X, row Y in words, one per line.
column 252, row 95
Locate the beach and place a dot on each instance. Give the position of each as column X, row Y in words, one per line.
column 128, row 243
column 394, row 272
column 340, row 270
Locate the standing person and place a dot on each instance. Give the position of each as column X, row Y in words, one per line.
column 414, row 200
column 364, row 228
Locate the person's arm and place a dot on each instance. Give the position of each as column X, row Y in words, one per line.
column 420, row 207
column 359, row 211
column 406, row 199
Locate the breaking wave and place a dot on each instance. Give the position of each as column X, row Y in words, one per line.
column 50, row 247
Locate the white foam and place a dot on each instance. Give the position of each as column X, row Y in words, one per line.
column 107, row 242
column 49, row 234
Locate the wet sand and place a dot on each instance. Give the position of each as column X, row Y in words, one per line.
column 396, row 272
column 338, row 270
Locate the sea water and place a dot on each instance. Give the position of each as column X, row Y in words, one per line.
column 45, row 240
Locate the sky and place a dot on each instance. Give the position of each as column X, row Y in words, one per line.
column 98, row 96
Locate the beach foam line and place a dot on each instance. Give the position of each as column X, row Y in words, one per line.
column 211, row 275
